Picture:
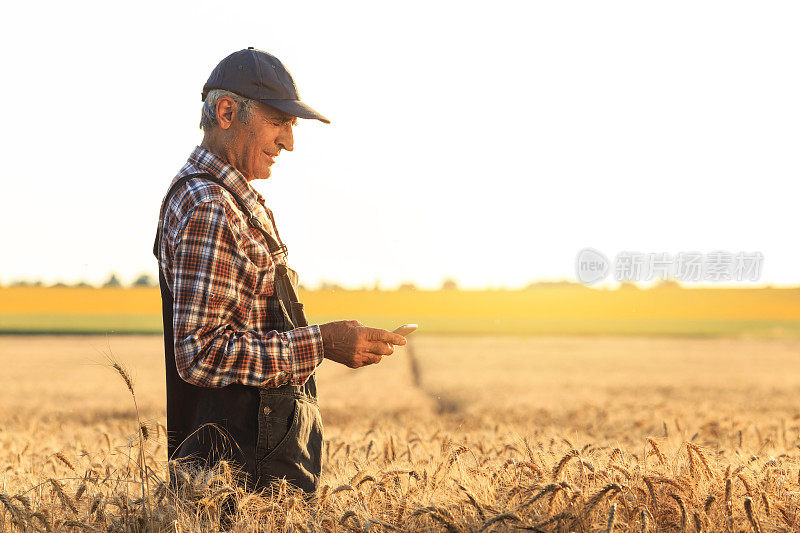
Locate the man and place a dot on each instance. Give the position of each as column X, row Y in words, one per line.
column 240, row 356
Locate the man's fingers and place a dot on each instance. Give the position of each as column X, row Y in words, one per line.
column 380, row 348
column 372, row 358
column 376, row 334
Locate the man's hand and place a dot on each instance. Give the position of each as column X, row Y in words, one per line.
column 351, row 343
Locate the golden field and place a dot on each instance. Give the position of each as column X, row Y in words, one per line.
column 560, row 309
column 453, row 433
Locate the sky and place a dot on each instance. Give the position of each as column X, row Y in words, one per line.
column 488, row 142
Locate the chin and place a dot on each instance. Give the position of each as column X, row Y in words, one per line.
column 263, row 175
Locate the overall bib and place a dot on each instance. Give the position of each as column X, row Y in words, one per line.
column 267, row 433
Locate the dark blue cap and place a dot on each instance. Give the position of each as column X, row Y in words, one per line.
column 260, row 76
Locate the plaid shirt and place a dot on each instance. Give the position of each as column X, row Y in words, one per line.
column 227, row 316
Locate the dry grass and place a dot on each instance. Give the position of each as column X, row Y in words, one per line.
column 492, row 434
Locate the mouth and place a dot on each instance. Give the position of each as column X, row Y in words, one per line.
column 271, row 157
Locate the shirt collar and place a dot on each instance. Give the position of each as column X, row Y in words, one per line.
column 205, row 161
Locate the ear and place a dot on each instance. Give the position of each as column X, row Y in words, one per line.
column 225, row 107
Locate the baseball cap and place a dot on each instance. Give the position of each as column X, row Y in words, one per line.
column 260, row 76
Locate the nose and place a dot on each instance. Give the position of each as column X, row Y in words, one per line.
column 286, row 138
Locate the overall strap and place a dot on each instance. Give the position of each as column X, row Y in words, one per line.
column 273, row 245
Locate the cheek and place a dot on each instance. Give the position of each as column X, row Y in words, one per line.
column 255, row 143
column 253, row 147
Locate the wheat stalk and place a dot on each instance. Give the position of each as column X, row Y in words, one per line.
column 748, row 507
column 662, row 459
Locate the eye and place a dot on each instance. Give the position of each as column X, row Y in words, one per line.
column 279, row 123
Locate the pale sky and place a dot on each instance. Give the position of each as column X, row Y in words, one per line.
column 487, row 141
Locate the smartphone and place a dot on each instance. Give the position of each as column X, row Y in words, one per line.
column 405, row 329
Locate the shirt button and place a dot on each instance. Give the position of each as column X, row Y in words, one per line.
column 267, row 410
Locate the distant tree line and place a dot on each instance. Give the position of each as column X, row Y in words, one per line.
column 142, row 280
column 147, row 279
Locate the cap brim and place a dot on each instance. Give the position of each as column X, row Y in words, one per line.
column 296, row 108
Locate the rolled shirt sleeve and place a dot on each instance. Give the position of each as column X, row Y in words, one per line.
column 218, row 273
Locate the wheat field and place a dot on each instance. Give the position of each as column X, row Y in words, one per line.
column 557, row 309
column 448, row 434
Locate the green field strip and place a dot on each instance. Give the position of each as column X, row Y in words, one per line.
column 83, row 324
column 86, row 324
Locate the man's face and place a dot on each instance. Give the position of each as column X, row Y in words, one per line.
column 253, row 147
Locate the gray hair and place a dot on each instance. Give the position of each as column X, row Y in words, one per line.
column 209, row 116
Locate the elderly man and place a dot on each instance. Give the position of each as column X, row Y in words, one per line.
column 240, row 356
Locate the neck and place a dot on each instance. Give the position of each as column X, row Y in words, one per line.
column 217, row 146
